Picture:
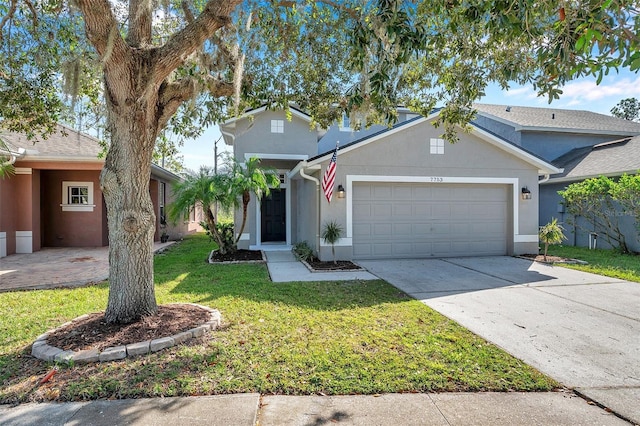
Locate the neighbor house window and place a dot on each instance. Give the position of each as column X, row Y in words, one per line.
column 437, row 146
column 162, row 201
column 77, row 197
column 345, row 123
column 277, row 126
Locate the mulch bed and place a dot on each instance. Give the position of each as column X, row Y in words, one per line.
column 94, row 333
column 238, row 256
column 340, row 265
column 550, row 259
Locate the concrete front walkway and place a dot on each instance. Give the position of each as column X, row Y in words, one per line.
column 581, row 329
column 495, row 409
column 57, row 267
column 283, row 267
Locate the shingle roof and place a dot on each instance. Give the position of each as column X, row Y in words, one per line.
column 552, row 119
column 64, row 143
column 529, row 157
column 609, row 159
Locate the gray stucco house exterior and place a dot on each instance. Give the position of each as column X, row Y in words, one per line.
column 408, row 193
column 583, row 144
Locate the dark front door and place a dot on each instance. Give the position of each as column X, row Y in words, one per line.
column 273, row 214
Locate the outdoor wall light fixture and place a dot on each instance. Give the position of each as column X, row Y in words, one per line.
column 341, row 191
column 526, row 194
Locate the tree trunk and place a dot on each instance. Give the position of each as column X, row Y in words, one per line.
column 246, row 198
column 141, row 96
column 133, row 125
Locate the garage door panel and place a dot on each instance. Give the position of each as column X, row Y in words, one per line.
column 380, row 249
column 422, row 193
column 383, row 230
column 382, row 211
column 362, row 229
column 402, row 193
column 439, row 209
column 429, row 220
column 421, row 209
column 403, row 229
column 403, row 249
column 382, row 192
column 403, row 209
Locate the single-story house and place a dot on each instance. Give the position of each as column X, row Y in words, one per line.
column 405, row 192
column 54, row 198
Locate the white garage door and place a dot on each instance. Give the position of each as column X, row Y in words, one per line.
column 410, row 220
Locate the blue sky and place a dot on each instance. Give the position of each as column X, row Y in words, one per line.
column 581, row 94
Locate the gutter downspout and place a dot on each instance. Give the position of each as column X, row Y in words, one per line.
column 317, row 182
column 231, row 135
column 544, row 178
column 13, row 157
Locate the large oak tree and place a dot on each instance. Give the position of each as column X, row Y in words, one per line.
column 185, row 64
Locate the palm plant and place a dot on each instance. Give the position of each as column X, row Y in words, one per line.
column 6, row 166
column 331, row 233
column 251, row 178
column 203, row 189
column 551, row 233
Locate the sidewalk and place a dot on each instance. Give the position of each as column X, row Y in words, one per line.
column 549, row 408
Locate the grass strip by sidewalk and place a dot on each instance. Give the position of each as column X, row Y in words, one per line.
column 603, row 262
column 349, row 337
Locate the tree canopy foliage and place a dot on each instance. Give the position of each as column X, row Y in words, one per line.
column 365, row 57
column 602, row 201
column 627, row 109
column 179, row 66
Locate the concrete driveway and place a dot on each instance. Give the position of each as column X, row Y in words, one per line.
column 581, row 329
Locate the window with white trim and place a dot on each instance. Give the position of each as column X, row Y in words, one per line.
column 345, row 123
column 162, row 199
column 277, row 126
column 77, row 197
column 437, row 146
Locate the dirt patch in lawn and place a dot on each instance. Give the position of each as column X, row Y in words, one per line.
column 93, row 332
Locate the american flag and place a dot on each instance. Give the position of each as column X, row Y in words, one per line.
column 330, row 176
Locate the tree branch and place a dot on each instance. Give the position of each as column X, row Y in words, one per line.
column 140, row 12
column 102, row 29
column 216, row 14
column 8, row 16
column 171, row 96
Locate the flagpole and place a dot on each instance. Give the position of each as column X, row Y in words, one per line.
column 320, row 193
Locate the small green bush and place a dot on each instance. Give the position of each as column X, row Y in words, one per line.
column 551, row 233
column 303, row 251
column 225, row 231
column 331, row 233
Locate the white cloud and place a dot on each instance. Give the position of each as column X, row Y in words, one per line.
column 526, row 91
column 587, row 90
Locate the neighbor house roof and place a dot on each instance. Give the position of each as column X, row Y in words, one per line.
column 608, row 159
column 558, row 120
column 543, row 166
column 65, row 144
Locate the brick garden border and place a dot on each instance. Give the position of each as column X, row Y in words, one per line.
column 41, row 350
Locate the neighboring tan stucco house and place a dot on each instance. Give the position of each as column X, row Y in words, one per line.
column 54, row 198
column 584, row 144
column 408, row 193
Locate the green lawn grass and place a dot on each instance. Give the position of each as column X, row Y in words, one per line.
column 609, row 263
column 349, row 337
